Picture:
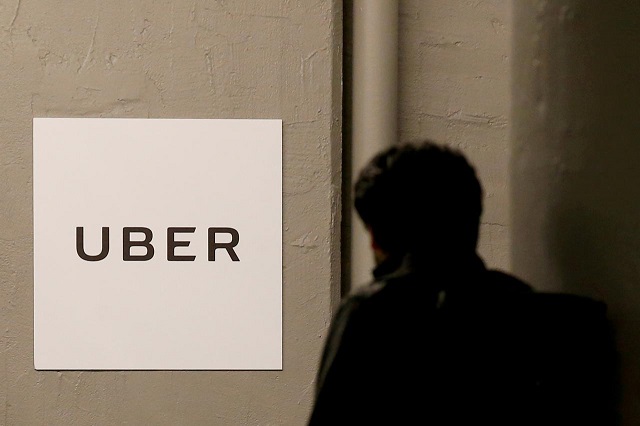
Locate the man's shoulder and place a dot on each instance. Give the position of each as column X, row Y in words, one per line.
column 496, row 288
column 416, row 284
column 387, row 290
column 362, row 299
column 547, row 303
column 367, row 291
column 491, row 282
column 521, row 299
column 503, row 282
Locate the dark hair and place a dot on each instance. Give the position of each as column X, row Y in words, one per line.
column 420, row 197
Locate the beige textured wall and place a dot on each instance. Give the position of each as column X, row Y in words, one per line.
column 455, row 88
column 163, row 58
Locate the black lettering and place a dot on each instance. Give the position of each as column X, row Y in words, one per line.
column 80, row 245
column 127, row 244
column 213, row 246
column 172, row 244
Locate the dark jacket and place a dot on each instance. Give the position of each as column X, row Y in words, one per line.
column 464, row 345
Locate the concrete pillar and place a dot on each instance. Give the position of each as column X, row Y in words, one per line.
column 375, row 104
column 576, row 149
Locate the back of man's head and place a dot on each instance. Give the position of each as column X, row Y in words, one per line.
column 420, row 198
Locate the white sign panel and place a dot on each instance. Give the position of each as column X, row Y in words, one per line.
column 157, row 244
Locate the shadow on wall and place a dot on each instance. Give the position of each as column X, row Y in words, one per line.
column 593, row 229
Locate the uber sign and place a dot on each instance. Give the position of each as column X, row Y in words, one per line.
column 157, row 244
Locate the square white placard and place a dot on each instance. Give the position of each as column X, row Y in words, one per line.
column 172, row 189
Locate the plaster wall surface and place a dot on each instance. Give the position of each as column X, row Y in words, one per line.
column 454, row 74
column 174, row 59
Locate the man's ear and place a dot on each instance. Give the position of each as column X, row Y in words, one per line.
column 374, row 243
column 378, row 253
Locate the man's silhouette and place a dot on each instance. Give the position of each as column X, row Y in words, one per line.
column 438, row 339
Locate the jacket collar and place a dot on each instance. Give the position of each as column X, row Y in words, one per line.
column 458, row 266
